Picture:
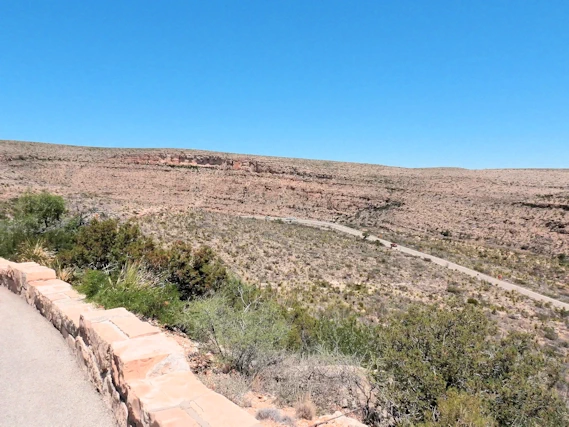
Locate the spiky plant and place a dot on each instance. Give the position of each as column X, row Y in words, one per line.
column 35, row 251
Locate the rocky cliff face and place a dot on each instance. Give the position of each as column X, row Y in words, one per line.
column 225, row 162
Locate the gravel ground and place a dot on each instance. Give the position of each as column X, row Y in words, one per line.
column 41, row 383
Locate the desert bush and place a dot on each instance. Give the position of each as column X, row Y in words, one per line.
column 130, row 244
column 196, row 273
column 12, row 234
column 62, row 236
column 94, row 281
column 136, row 289
column 248, row 338
column 338, row 333
column 425, row 352
column 460, row 409
column 39, row 210
column 94, row 244
column 453, row 288
column 103, row 243
column 32, row 217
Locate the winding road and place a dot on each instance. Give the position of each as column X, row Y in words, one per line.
column 435, row 260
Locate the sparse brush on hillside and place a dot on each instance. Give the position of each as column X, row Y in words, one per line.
column 547, row 274
column 421, row 365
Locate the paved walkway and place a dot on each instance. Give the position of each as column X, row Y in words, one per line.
column 41, row 384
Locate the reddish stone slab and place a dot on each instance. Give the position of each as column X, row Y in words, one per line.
column 133, row 327
column 52, row 286
column 136, row 358
column 214, row 410
column 106, row 315
column 66, row 313
column 174, row 417
column 167, row 391
column 37, row 273
column 99, row 336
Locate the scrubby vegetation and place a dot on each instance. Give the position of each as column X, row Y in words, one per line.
column 424, row 365
column 545, row 273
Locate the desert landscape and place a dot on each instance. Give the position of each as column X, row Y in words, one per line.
column 498, row 219
column 510, row 224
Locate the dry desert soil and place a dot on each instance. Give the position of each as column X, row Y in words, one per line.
column 508, row 223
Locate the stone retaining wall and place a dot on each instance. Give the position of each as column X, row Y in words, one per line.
column 142, row 374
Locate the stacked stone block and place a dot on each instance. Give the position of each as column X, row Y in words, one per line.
column 142, row 374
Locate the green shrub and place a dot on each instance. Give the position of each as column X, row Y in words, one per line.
column 62, row 237
column 522, row 379
column 453, row 288
column 103, row 243
column 130, row 244
column 341, row 334
column 425, row 352
column 31, row 217
column 248, row 338
column 196, row 273
column 135, row 289
column 93, row 281
column 94, row 245
column 39, row 210
column 12, row 234
column 460, row 409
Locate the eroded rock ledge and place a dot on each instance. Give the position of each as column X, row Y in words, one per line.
column 142, row 374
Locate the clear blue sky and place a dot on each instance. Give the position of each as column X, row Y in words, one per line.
column 478, row 84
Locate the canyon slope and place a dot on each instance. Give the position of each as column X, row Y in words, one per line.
column 519, row 209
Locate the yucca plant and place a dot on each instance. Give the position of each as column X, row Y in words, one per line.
column 67, row 274
column 35, row 251
column 135, row 288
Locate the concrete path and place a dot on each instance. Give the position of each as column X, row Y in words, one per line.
column 41, row 384
column 435, row 260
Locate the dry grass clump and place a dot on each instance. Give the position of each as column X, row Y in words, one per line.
column 30, row 251
column 305, row 408
column 275, row 415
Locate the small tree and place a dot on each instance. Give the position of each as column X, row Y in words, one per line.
column 195, row 273
column 40, row 209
